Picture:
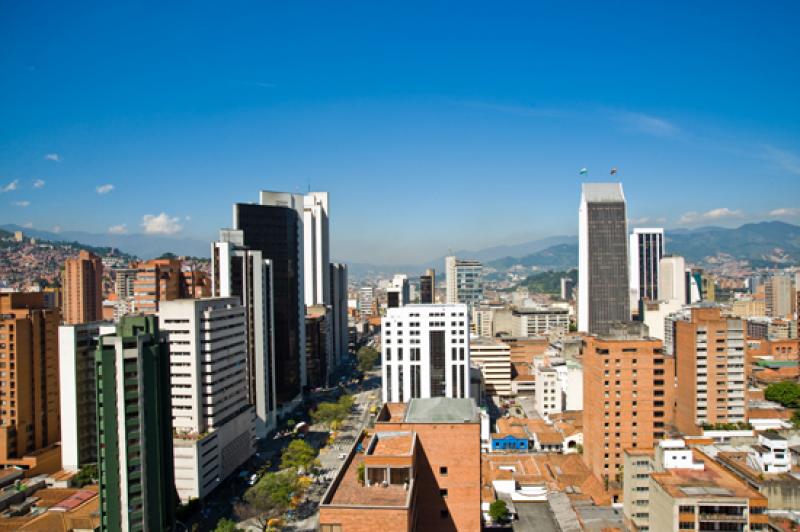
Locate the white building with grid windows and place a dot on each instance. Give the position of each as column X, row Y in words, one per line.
column 425, row 352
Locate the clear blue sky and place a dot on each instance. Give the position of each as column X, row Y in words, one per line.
column 433, row 125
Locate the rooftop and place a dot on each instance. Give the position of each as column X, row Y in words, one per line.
column 442, row 410
column 602, row 192
column 392, row 444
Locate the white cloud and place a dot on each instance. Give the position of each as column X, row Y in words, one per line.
column 651, row 125
column 11, row 186
column 785, row 211
column 39, row 183
column 105, row 189
column 53, row 157
column 785, row 160
column 162, row 224
column 28, row 225
column 692, row 217
column 23, row 203
column 638, row 221
column 187, row 218
column 56, row 229
column 120, row 229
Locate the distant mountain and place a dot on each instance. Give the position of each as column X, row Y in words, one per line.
column 140, row 245
column 559, row 257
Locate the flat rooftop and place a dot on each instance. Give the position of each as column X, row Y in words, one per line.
column 442, row 410
column 392, row 444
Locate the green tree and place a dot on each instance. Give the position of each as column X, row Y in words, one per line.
column 498, row 511
column 270, row 497
column 786, row 393
column 330, row 413
column 796, row 419
column 86, row 475
column 226, row 525
column 367, row 357
column 299, row 454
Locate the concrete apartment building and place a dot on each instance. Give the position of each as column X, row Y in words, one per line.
column 425, row 352
column 779, row 295
column 212, row 421
column 540, row 320
column 398, row 293
column 603, row 287
column 316, row 249
column 628, row 391
column 156, row 280
column 83, row 288
column 548, row 391
column 710, row 368
column 427, row 287
column 29, row 408
column 646, row 247
column 245, row 274
column 672, row 279
column 366, row 301
column 134, row 418
column 77, row 398
column 422, row 471
column 771, row 328
column 463, row 280
column 672, row 487
column 493, row 358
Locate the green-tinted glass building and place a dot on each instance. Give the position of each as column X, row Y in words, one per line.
column 134, row 421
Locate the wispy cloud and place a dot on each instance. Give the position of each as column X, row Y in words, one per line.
column 56, row 158
column 639, row 221
column 120, row 229
column 161, row 224
column 56, row 229
column 785, row 212
column 28, row 225
column 39, row 183
column 644, row 123
column 23, row 203
column 105, row 189
column 721, row 213
column 10, row 186
column 786, row 160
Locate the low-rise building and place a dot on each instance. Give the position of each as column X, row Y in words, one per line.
column 493, row 357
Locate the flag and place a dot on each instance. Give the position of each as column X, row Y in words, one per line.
column 584, row 171
column 613, row 171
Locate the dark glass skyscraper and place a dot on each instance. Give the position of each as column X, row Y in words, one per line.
column 427, row 287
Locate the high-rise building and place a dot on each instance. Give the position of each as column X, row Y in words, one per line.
column 628, row 392
column 339, row 316
column 83, row 288
column 547, row 397
column 425, row 352
column 464, row 279
column 567, row 288
column 134, row 418
column 778, row 296
column 427, row 287
column 672, row 279
column 319, row 346
column 275, row 227
column 366, row 300
column 76, row 349
column 212, row 420
column 245, row 274
column 646, row 249
column 710, row 368
column 156, row 280
column 603, row 293
column 493, row 358
column 316, row 252
column 29, row 408
column 398, row 294
column 124, row 279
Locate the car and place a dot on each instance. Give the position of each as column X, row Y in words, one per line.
column 252, row 480
column 342, row 456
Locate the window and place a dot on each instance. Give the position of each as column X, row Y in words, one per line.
column 330, row 528
column 443, row 492
column 444, row 514
column 443, row 471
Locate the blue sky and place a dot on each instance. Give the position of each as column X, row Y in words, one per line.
column 433, row 125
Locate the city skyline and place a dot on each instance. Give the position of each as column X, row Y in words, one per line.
column 499, row 123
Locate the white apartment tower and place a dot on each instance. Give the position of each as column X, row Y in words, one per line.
column 646, row 247
column 672, row 279
column 464, row 281
column 398, row 294
column 316, row 251
column 425, row 352
column 603, row 291
column 213, row 423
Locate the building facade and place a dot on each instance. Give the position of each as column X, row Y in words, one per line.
column 603, row 293
column 83, row 288
column 316, row 249
column 464, row 279
column 493, row 357
column 778, row 296
column 646, row 248
column 427, row 287
column 425, row 352
column 540, row 320
column 398, row 293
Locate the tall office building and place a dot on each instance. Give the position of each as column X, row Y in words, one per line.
column 274, row 226
column 603, row 294
column 316, row 253
column 134, row 418
column 212, row 420
column 29, row 424
column 710, row 368
column 76, row 348
column 83, row 288
column 339, row 324
column 567, row 288
column 398, row 293
column 319, row 346
column 646, row 249
column 237, row 271
column 427, row 287
column 628, row 390
column 464, row 281
column 778, row 296
column 425, row 352
column 672, row 279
